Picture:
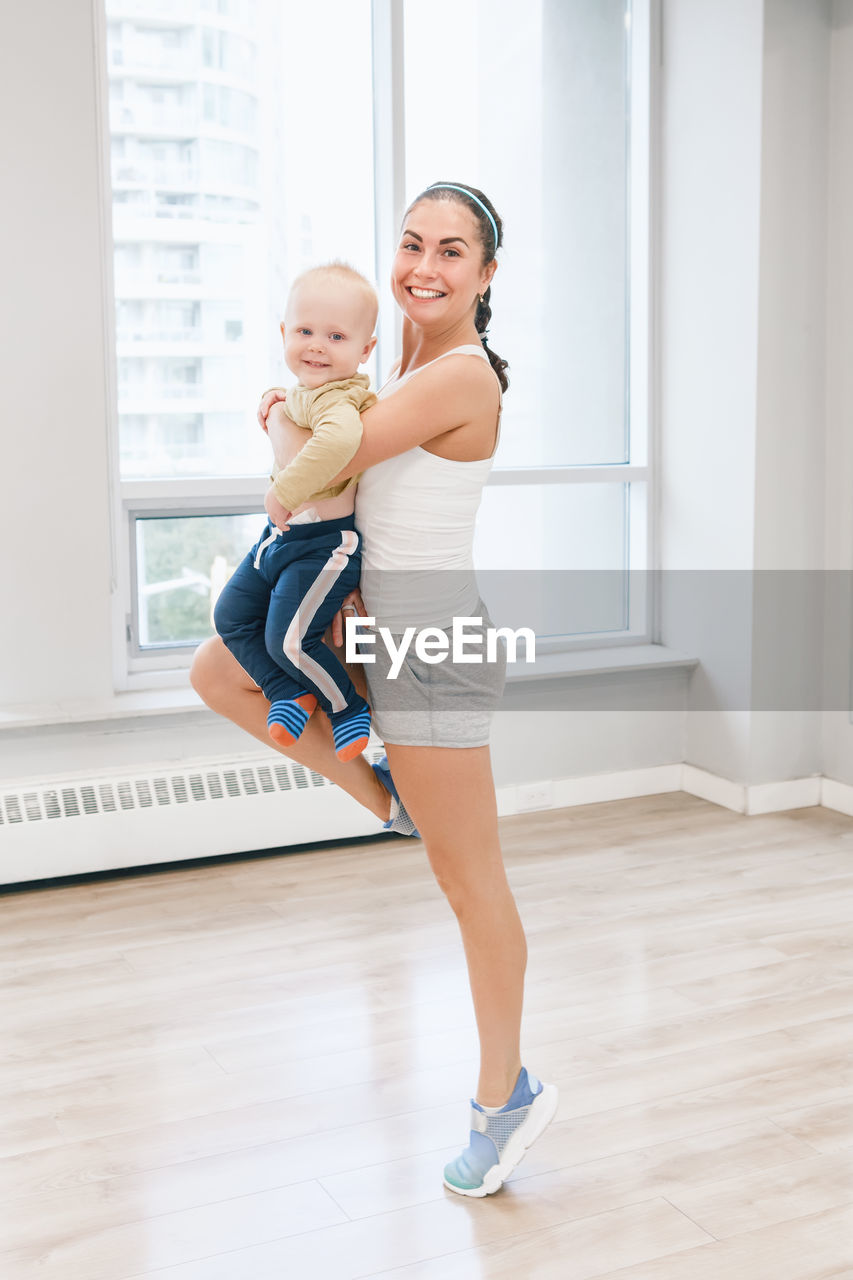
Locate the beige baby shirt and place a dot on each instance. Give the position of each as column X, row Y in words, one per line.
column 331, row 412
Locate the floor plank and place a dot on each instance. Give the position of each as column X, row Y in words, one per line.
column 260, row 1067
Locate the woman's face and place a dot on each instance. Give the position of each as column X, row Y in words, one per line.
column 438, row 270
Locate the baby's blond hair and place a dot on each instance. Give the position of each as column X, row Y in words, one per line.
column 343, row 272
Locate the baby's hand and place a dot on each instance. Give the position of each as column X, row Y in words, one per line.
column 276, row 511
column 268, row 399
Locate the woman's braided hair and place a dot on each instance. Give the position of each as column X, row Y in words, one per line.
column 479, row 204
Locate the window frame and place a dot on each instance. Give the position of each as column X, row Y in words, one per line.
column 135, row 668
column 148, row 501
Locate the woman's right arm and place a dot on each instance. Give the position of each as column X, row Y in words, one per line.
column 457, row 394
column 277, row 426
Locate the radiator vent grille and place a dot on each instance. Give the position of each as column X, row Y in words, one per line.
column 152, row 791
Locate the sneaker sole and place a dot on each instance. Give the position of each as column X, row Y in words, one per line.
column 542, row 1112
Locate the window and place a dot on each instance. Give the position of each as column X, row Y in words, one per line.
column 182, row 563
column 223, row 190
column 552, row 93
column 212, row 216
column 230, row 108
column 224, row 51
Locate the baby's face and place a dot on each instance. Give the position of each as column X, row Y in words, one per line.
column 327, row 331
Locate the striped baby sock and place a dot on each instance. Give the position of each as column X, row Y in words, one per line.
column 351, row 729
column 288, row 718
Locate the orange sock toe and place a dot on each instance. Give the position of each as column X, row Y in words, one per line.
column 288, row 718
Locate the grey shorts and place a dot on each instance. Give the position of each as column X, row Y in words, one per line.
column 436, row 704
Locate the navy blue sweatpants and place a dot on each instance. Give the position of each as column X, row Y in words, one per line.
column 274, row 610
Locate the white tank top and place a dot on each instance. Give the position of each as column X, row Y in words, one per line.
column 416, row 514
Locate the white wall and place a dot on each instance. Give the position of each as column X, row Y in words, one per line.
column 837, row 728
column 709, row 303
column 55, row 568
column 745, row 210
column 791, row 401
column 792, row 313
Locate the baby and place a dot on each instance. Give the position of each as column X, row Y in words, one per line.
column 273, row 612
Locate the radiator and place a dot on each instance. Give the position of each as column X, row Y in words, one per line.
column 203, row 809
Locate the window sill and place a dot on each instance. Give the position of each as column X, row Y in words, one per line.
column 183, row 699
column 602, row 661
column 142, row 702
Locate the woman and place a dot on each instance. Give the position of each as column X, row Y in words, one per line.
column 426, row 451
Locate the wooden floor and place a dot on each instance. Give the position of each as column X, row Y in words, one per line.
column 256, row 1070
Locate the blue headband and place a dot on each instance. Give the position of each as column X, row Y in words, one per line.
column 449, row 186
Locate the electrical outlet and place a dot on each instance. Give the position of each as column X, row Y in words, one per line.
column 534, row 795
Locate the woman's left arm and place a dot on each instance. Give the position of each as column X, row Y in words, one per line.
column 443, row 398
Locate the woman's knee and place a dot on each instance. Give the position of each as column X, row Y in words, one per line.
column 221, row 614
column 467, row 888
column 205, row 666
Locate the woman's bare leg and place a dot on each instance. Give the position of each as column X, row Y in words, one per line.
column 221, row 682
column 450, row 794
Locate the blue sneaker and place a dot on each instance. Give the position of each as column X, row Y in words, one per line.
column 399, row 820
column 499, row 1139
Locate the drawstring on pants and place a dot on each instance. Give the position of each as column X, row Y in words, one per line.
column 266, row 542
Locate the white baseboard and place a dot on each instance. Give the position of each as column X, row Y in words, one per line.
column 836, row 795
column 564, row 793
column 767, row 797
